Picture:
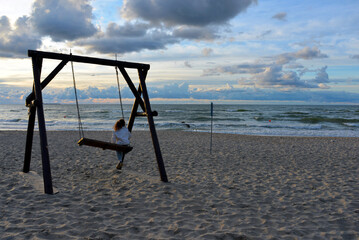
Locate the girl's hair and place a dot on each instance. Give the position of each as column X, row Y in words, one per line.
column 119, row 124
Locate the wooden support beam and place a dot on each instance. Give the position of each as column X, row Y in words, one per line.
column 46, row 170
column 131, row 121
column 46, row 81
column 90, row 60
column 133, row 88
column 29, row 138
column 161, row 167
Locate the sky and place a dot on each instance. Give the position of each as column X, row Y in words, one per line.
column 200, row 51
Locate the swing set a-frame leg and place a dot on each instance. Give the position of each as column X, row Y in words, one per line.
column 46, row 170
column 151, row 123
column 29, row 138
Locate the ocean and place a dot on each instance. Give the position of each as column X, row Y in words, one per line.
column 268, row 120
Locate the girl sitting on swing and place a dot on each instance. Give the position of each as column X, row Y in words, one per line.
column 120, row 136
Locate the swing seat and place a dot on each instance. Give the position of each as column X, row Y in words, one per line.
column 104, row 145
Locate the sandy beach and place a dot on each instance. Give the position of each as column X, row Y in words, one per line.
column 251, row 187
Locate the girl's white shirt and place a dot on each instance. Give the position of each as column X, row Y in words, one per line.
column 121, row 136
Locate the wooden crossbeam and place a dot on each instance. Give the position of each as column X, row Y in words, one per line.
column 90, row 60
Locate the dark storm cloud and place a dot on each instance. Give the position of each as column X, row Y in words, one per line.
column 196, row 33
column 166, row 22
column 155, row 24
column 184, row 12
column 63, row 20
column 127, row 30
column 14, row 42
column 116, row 41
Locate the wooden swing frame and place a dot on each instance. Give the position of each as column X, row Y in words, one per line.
column 35, row 104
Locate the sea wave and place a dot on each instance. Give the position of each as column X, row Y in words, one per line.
column 11, row 120
column 240, row 119
column 319, row 119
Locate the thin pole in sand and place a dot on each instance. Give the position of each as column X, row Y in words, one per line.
column 210, row 148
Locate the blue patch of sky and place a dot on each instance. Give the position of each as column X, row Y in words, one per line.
column 106, row 11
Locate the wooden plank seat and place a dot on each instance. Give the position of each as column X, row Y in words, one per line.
column 104, row 145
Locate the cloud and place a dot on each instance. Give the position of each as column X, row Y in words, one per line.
column 135, row 35
column 310, row 53
column 356, row 56
column 273, row 75
column 245, row 68
column 195, row 33
column 63, row 20
column 11, row 95
column 261, row 36
column 280, row 16
column 184, row 12
column 4, row 26
column 305, row 53
column 149, row 25
column 186, row 19
column 14, row 42
column 207, row 51
column 128, row 29
column 294, row 66
column 187, row 64
column 322, row 75
column 126, row 38
column 174, row 90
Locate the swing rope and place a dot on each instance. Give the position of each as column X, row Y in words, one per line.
column 119, row 89
column 80, row 127
column 81, row 130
